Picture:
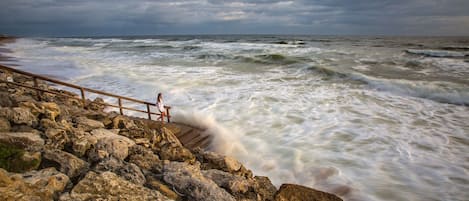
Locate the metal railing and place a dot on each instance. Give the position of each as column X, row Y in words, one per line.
column 82, row 90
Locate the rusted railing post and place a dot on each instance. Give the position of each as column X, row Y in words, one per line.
column 83, row 98
column 120, row 106
column 148, row 111
column 167, row 114
column 36, row 84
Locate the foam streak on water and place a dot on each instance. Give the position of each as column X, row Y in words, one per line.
column 366, row 118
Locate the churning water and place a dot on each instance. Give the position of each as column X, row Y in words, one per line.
column 367, row 118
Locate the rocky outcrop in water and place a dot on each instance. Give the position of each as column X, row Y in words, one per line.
column 53, row 149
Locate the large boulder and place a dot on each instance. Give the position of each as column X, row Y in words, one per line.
column 145, row 159
column 45, row 184
column 188, row 180
column 88, row 124
column 65, row 162
column 168, row 147
column 212, row 160
column 30, row 141
column 264, row 188
column 109, row 144
column 56, row 138
column 19, row 115
column 14, row 159
column 293, row 192
column 109, row 186
column 128, row 171
column 232, row 183
column 123, row 122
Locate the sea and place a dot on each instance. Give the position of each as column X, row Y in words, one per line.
column 364, row 117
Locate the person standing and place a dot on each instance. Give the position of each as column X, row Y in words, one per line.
column 160, row 106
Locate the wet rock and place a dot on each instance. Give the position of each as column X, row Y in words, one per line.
column 29, row 141
column 65, row 162
column 56, row 138
column 168, row 147
column 212, row 160
column 145, row 159
column 232, row 183
column 88, row 124
column 128, row 171
column 4, row 124
column 45, row 184
column 264, row 188
column 109, row 186
column 109, row 144
column 15, row 159
column 292, row 192
column 188, row 180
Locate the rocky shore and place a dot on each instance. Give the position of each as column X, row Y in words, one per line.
column 51, row 148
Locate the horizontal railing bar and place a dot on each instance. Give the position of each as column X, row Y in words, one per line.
column 74, row 86
column 82, row 89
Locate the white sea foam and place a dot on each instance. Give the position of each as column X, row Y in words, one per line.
column 373, row 139
column 437, row 53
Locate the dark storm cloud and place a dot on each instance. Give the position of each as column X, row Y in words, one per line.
column 119, row 17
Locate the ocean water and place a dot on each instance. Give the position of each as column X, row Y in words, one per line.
column 367, row 118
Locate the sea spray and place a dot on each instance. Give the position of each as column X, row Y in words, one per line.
column 224, row 141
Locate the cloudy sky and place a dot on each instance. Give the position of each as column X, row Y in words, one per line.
column 146, row 17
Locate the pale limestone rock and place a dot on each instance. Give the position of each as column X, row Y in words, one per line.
column 69, row 164
column 188, row 180
column 109, row 144
column 88, row 124
column 109, row 186
column 45, row 184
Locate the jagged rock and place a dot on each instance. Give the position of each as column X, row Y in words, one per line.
column 56, row 138
column 19, row 115
column 128, row 171
column 88, row 124
column 188, row 180
column 51, row 110
column 80, row 146
column 109, row 186
column 14, row 159
column 65, row 162
column 145, row 159
column 168, row 147
column 293, row 192
column 212, row 160
column 162, row 188
column 109, row 144
column 35, row 109
column 4, row 124
column 232, row 183
column 47, row 123
column 264, row 188
column 45, row 184
column 29, row 141
column 123, row 122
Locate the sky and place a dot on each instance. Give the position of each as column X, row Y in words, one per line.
column 167, row 17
